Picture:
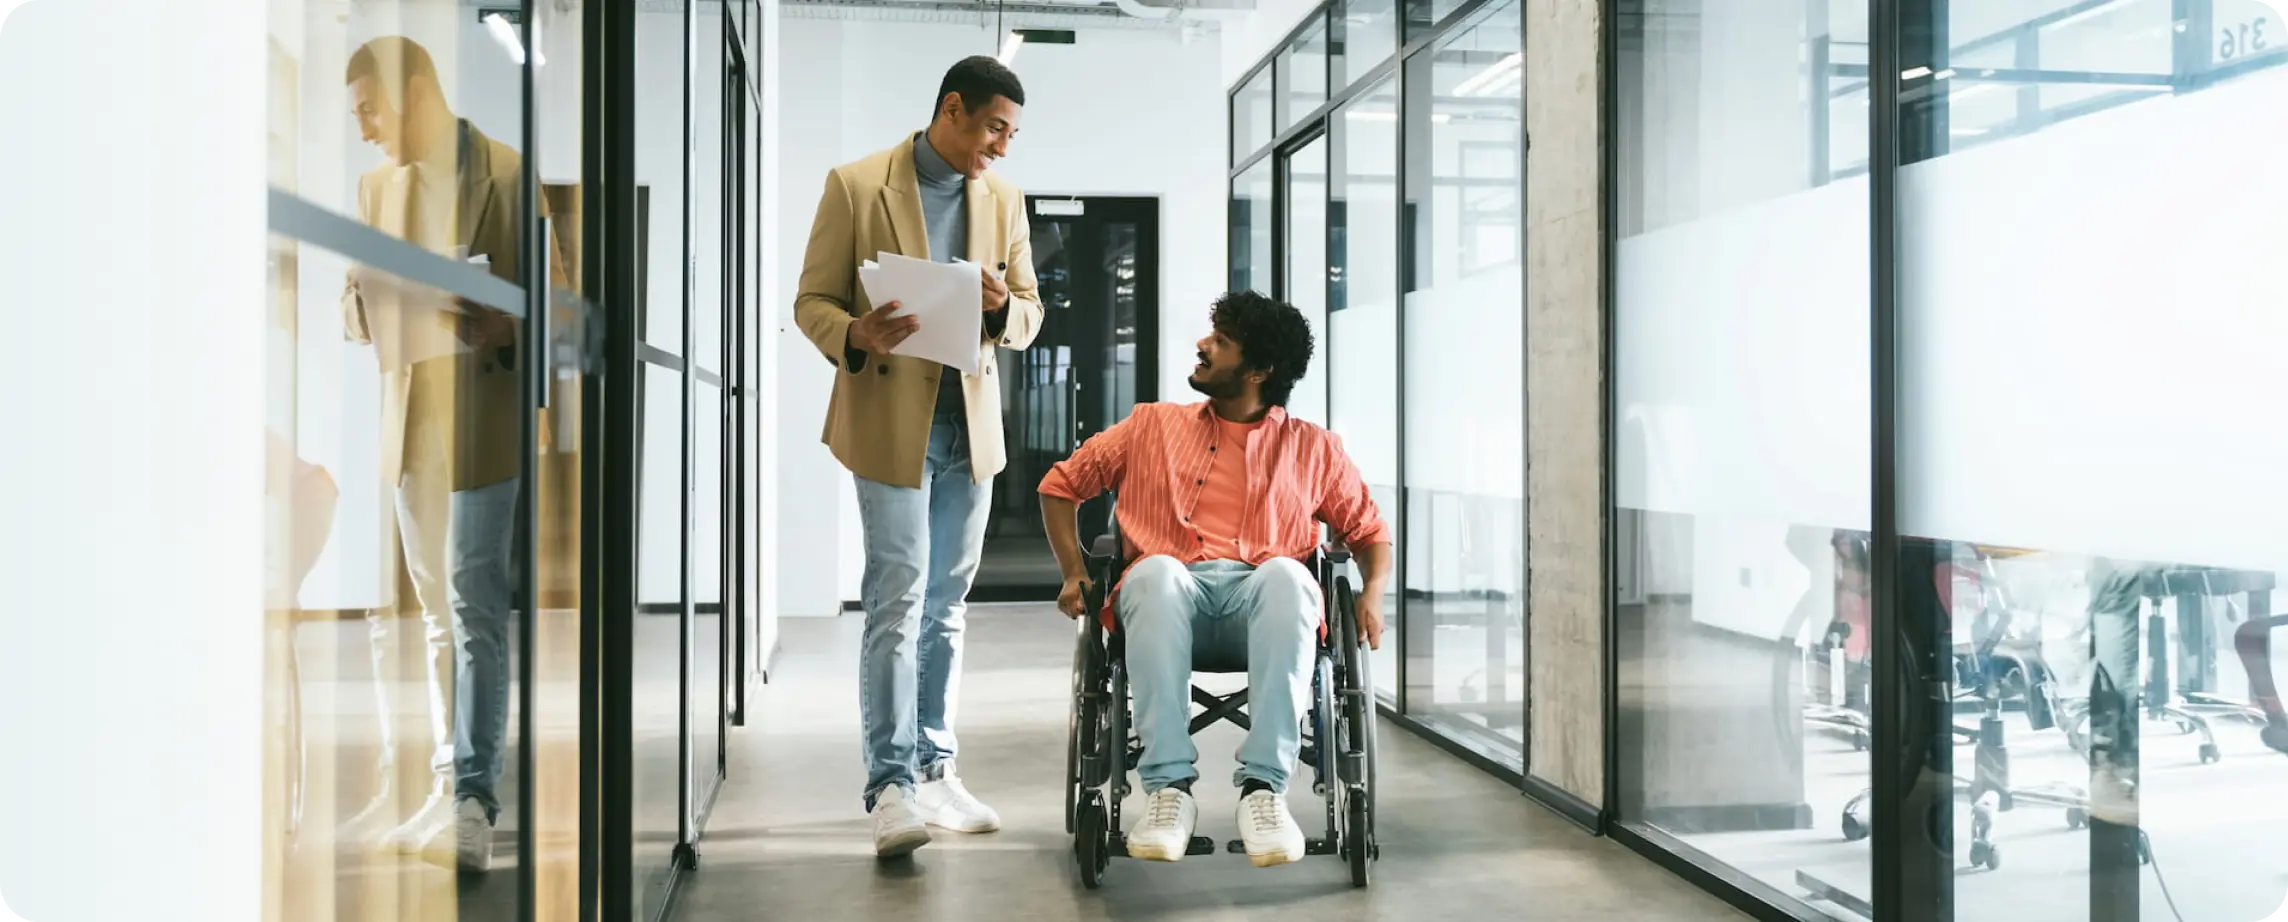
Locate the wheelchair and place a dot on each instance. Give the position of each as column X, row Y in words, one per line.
column 1102, row 746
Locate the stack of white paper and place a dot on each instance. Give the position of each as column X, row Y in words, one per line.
column 408, row 322
column 948, row 297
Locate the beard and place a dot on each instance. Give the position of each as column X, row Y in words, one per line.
column 1216, row 385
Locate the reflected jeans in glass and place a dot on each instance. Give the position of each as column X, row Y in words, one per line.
column 2116, row 589
column 459, row 550
column 1227, row 611
column 922, row 550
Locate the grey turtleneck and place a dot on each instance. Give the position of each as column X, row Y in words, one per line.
column 945, row 212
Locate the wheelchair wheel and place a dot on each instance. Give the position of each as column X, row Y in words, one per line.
column 1355, row 718
column 1075, row 719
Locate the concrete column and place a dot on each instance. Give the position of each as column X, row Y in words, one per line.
column 1565, row 514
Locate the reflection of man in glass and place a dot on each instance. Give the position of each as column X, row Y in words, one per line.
column 2117, row 588
column 449, row 440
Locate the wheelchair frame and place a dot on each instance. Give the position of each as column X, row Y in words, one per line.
column 1338, row 738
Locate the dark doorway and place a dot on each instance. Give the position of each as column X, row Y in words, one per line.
column 1097, row 356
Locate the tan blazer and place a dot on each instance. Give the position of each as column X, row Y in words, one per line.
column 464, row 405
column 878, row 420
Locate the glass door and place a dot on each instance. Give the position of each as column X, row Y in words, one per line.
column 1098, row 263
column 1303, row 213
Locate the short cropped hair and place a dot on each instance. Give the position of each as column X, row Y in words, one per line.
column 1273, row 338
column 393, row 62
column 978, row 79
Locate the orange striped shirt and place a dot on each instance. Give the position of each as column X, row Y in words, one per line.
column 1159, row 460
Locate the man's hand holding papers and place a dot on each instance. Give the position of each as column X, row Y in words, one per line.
column 937, row 304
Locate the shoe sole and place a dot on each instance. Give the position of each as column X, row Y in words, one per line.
column 455, row 858
column 903, row 844
column 1271, row 859
column 970, row 829
column 1158, row 853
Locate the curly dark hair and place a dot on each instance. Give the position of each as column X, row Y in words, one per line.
column 1273, row 338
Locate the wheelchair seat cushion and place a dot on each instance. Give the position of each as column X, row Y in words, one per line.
column 1204, row 660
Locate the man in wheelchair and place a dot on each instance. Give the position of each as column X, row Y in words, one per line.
column 1218, row 504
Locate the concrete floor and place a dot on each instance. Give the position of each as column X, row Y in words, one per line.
column 788, row 840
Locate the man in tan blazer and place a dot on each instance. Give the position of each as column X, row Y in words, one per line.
column 922, row 440
column 451, row 451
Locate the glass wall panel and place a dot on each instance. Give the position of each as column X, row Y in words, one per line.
column 656, row 713
column 1361, row 345
column 1741, row 348
column 2088, row 447
column 1366, row 35
column 1465, row 387
column 667, row 40
column 1251, row 117
column 711, row 241
column 707, row 649
column 393, row 473
column 710, row 44
column 1251, row 230
column 1307, row 269
column 395, row 462
column 1303, row 74
column 557, row 476
column 1423, row 15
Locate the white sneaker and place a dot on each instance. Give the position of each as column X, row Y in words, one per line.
column 431, row 821
column 1268, row 830
column 1165, row 831
column 472, row 837
column 897, row 829
column 469, row 847
column 947, row 804
column 371, row 823
column 2112, row 798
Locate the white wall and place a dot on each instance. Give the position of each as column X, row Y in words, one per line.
column 765, row 336
column 1091, row 127
column 132, row 274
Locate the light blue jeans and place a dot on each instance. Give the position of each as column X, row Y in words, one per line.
column 922, row 548
column 460, row 553
column 1220, row 611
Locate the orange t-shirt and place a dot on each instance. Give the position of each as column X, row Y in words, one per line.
column 1223, row 499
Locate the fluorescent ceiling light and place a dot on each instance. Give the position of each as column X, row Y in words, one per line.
column 1489, row 75
column 1009, row 48
column 1914, row 73
column 504, row 32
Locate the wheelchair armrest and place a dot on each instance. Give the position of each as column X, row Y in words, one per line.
column 1336, row 551
column 1105, row 546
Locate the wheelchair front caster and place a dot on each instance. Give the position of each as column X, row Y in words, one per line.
column 1092, row 845
column 1853, row 829
column 2210, row 755
column 2077, row 818
column 1986, row 855
column 1358, row 840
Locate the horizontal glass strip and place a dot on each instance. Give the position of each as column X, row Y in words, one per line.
column 297, row 218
